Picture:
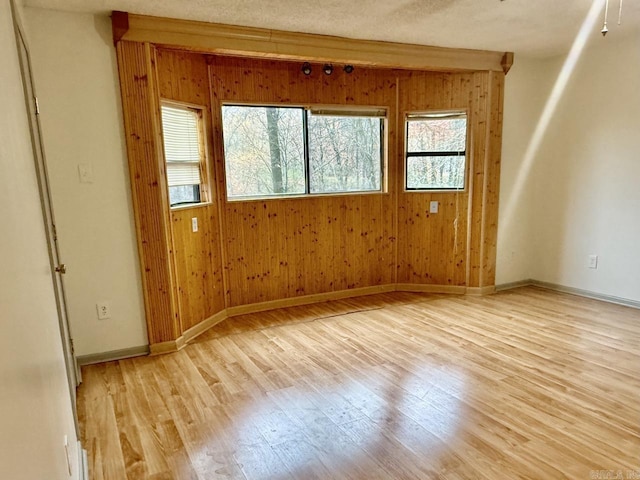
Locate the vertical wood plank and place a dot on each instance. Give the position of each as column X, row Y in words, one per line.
column 141, row 109
column 183, row 77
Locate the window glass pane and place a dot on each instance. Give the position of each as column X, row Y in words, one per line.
column 264, row 150
column 184, row 194
column 435, row 172
column 344, row 153
column 437, row 135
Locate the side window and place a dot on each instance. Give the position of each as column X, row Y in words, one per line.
column 436, row 151
column 185, row 153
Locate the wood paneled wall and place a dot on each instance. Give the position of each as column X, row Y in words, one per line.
column 432, row 248
column 184, row 77
column 456, row 246
column 281, row 248
column 248, row 252
column 140, row 100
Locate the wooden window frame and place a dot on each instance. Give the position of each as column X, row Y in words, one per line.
column 205, row 182
column 306, row 110
column 408, row 154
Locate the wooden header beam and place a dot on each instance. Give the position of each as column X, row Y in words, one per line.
column 260, row 42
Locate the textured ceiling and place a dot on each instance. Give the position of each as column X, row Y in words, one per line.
column 531, row 27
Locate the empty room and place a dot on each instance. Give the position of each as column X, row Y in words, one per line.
column 331, row 240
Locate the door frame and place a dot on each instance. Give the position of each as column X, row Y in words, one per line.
column 48, row 218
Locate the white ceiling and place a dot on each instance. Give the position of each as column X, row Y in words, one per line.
column 530, row 27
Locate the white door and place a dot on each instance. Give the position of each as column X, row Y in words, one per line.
column 58, row 269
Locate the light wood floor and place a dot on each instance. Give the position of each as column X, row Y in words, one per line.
column 522, row 384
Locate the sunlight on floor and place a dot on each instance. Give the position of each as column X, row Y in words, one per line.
column 342, row 420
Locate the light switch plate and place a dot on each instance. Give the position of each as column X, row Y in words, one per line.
column 433, row 207
column 194, row 224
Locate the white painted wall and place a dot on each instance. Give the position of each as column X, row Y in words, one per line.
column 587, row 175
column 527, row 87
column 35, row 404
column 77, row 82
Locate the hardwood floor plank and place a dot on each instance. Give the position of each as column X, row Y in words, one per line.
column 524, row 384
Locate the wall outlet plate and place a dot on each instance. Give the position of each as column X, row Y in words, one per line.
column 104, row 310
column 593, row 261
column 433, row 207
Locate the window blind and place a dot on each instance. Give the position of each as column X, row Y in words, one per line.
column 182, row 146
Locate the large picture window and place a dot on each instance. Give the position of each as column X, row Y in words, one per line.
column 279, row 151
column 184, row 152
column 436, row 151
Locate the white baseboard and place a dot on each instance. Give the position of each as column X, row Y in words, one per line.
column 587, row 293
column 570, row 290
column 112, row 355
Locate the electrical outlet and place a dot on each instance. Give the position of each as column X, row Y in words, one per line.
column 593, row 261
column 194, row 224
column 433, row 207
column 104, row 310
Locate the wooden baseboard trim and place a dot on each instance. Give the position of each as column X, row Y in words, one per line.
column 164, row 347
column 424, row 288
column 480, row 291
column 308, row 299
column 193, row 332
column 586, row 293
column 508, row 286
column 203, row 326
column 113, row 355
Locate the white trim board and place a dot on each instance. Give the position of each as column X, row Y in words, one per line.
column 570, row 290
column 113, row 355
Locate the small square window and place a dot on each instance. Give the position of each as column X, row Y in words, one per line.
column 436, row 151
column 263, row 150
column 345, row 151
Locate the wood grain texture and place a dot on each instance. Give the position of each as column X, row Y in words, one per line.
column 485, row 179
column 523, row 384
column 183, row 77
column 260, row 42
column 249, row 252
column 281, row 248
column 432, row 248
column 141, row 108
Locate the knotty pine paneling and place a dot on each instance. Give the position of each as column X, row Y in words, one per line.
column 432, row 248
column 137, row 68
column 183, row 77
column 261, row 250
column 198, row 264
column 492, row 186
column 487, row 101
column 281, row 248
